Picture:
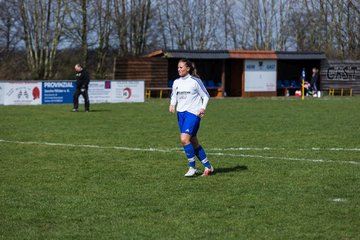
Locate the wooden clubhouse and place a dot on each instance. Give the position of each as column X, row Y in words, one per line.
column 236, row 73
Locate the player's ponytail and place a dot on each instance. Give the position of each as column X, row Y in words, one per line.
column 194, row 72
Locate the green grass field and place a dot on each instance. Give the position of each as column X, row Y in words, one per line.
column 285, row 169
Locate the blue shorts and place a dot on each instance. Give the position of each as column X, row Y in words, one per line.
column 189, row 123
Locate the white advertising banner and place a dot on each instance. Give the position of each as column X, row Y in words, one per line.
column 99, row 92
column 128, row 91
column 115, row 91
column 2, row 93
column 56, row 92
column 260, row 76
column 22, row 93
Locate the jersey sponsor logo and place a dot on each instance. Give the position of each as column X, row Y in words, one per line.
column 183, row 93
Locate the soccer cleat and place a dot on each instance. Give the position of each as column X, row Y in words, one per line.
column 191, row 172
column 208, row 171
column 74, row 110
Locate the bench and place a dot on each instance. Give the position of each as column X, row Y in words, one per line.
column 156, row 89
column 217, row 92
column 287, row 90
column 285, row 86
column 342, row 91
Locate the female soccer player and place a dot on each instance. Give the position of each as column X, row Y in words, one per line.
column 190, row 98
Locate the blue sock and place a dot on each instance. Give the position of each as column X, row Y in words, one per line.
column 201, row 155
column 190, row 154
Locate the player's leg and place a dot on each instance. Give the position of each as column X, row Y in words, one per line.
column 190, row 154
column 185, row 136
column 86, row 100
column 201, row 155
column 76, row 100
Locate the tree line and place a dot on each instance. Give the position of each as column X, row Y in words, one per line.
column 43, row 39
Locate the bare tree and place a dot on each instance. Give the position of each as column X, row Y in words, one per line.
column 229, row 35
column 261, row 23
column 84, row 31
column 132, row 21
column 206, row 21
column 353, row 28
column 189, row 24
column 134, row 27
column 245, row 33
column 232, row 32
column 42, row 23
column 121, row 25
column 104, row 15
column 80, row 27
column 140, row 27
column 330, row 26
column 10, row 42
column 9, row 26
column 164, row 15
column 281, row 28
column 180, row 21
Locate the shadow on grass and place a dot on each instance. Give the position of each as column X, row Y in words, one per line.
column 100, row 110
column 237, row 168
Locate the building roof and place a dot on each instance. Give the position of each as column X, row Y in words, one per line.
column 193, row 54
column 237, row 54
column 252, row 54
column 281, row 55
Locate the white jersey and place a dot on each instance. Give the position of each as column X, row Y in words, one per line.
column 189, row 94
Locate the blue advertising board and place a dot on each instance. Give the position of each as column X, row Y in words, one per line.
column 58, row 92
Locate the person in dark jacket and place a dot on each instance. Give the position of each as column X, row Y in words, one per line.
column 82, row 85
column 314, row 81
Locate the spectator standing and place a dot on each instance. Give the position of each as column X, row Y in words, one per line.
column 314, row 81
column 82, row 86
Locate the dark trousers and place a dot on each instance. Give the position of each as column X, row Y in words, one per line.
column 313, row 87
column 84, row 93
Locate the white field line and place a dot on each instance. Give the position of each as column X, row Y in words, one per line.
column 276, row 149
column 283, row 158
column 90, row 146
column 209, row 151
column 339, row 200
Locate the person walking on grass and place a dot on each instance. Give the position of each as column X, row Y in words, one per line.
column 82, row 85
column 189, row 98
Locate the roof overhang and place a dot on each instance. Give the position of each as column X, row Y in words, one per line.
column 193, row 54
column 237, row 54
column 300, row 55
column 252, row 54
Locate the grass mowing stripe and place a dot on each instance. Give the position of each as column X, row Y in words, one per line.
column 179, row 150
column 60, row 192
